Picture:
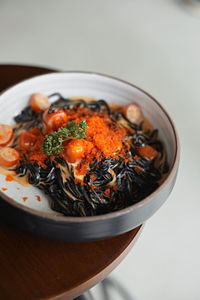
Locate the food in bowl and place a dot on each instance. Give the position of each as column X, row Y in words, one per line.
column 89, row 156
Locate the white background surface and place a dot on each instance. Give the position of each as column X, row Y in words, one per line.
column 154, row 44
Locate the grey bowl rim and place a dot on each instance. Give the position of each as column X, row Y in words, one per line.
column 71, row 219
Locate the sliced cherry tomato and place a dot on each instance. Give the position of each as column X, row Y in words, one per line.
column 39, row 102
column 35, row 131
column 6, row 134
column 75, row 150
column 27, row 140
column 8, row 157
column 147, row 152
column 54, row 120
column 133, row 113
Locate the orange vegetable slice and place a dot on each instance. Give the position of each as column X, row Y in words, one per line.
column 8, row 157
column 133, row 113
column 6, row 134
column 39, row 102
column 54, row 120
column 27, row 140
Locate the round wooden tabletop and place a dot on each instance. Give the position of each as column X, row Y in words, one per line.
column 32, row 267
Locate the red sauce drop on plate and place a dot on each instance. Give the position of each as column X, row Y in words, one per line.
column 9, row 178
column 25, row 198
column 4, row 189
column 38, row 198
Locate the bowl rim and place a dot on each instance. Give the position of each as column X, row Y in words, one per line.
column 79, row 219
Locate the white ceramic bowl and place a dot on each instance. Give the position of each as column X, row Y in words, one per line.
column 71, row 84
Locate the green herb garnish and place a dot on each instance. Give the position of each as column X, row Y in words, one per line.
column 52, row 144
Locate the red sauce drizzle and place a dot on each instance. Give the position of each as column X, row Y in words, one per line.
column 4, row 189
column 38, row 198
column 9, row 178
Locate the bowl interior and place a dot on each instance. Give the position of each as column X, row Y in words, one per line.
column 71, row 84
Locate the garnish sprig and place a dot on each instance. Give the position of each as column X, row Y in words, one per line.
column 53, row 142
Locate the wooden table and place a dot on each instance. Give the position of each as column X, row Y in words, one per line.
column 36, row 268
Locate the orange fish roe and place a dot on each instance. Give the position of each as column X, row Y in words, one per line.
column 9, row 178
column 4, row 189
column 93, row 177
column 104, row 139
column 107, row 192
column 25, row 198
column 76, row 180
column 38, row 157
column 82, row 167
